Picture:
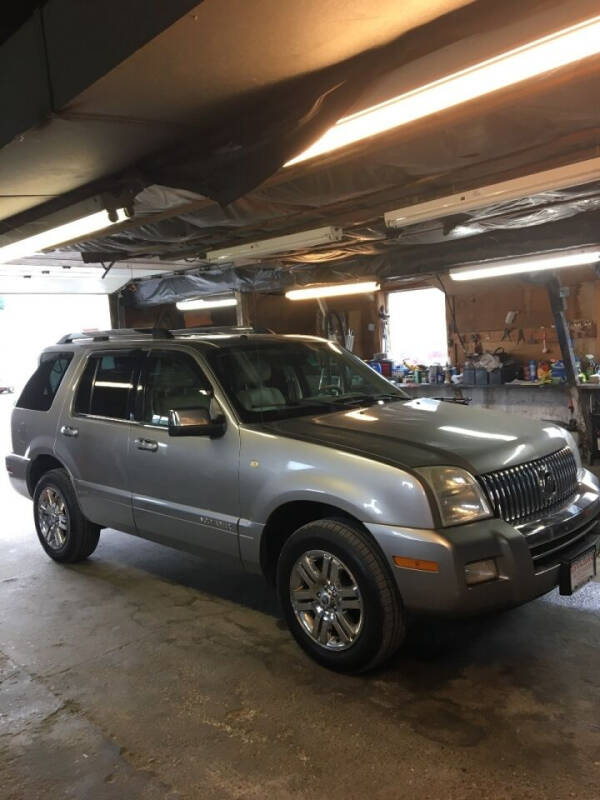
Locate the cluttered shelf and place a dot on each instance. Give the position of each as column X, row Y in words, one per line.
column 490, row 370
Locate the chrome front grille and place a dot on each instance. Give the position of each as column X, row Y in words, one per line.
column 521, row 492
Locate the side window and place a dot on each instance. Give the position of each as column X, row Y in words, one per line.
column 173, row 381
column 41, row 388
column 106, row 386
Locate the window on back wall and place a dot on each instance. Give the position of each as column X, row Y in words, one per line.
column 418, row 326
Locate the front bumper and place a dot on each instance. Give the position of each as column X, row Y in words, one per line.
column 18, row 469
column 528, row 557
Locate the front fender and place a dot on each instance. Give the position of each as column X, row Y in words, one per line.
column 275, row 470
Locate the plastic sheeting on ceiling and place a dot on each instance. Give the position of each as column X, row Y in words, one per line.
column 397, row 261
column 552, row 121
column 514, row 132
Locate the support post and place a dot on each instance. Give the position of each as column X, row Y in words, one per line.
column 558, row 305
column 241, row 310
column 115, row 307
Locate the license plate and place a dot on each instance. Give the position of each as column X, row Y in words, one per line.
column 578, row 571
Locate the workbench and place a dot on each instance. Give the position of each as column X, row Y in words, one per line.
column 536, row 400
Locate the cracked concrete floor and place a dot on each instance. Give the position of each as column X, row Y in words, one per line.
column 146, row 673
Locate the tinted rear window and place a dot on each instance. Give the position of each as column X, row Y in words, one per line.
column 106, row 386
column 41, row 388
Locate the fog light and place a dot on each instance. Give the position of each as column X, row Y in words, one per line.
column 481, row 571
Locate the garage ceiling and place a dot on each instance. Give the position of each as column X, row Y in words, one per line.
column 168, row 89
column 213, row 104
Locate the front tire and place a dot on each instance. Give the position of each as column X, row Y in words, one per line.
column 64, row 533
column 338, row 596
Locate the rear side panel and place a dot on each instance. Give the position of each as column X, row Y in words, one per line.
column 34, row 433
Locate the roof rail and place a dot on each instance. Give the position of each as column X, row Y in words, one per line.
column 208, row 329
column 116, row 333
column 156, row 333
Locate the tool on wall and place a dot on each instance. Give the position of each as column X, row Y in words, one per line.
column 508, row 321
column 334, row 325
column 476, row 340
column 544, row 341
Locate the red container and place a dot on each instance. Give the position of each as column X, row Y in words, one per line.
column 386, row 367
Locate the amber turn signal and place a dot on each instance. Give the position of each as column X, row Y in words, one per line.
column 416, row 563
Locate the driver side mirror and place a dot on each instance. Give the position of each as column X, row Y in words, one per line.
column 195, row 422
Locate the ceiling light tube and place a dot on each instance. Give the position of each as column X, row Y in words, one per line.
column 576, row 174
column 542, row 55
column 515, row 266
column 60, row 234
column 279, row 244
column 199, row 304
column 19, row 270
column 315, row 292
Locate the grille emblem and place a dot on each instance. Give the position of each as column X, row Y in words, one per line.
column 547, row 484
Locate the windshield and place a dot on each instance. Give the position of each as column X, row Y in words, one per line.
column 278, row 379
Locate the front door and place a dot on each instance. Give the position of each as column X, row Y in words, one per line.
column 185, row 488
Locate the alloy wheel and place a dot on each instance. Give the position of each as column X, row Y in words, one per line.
column 326, row 600
column 53, row 517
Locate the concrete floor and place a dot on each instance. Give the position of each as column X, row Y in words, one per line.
column 145, row 673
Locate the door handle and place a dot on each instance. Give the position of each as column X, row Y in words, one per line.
column 67, row 430
column 146, row 444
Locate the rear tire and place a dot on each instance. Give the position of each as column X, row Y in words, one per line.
column 64, row 533
column 338, row 596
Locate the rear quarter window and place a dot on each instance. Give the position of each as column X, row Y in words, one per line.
column 40, row 390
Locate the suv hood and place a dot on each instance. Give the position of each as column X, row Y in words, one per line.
column 426, row 432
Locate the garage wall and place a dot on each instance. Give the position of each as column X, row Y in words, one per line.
column 301, row 316
column 481, row 308
column 270, row 311
column 167, row 316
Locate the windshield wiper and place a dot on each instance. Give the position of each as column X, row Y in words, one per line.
column 363, row 399
column 319, row 405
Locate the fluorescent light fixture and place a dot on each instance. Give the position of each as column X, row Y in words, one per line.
column 198, row 304
column 540, row 56
column 51, row 272
column 279, row 244
column 338, row 290
column 576, row 174
column 515, row 266
column 60, row 234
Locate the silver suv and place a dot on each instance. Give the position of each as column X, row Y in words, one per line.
column 290, row 455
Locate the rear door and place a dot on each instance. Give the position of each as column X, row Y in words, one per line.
column 93, row 436
column 185, row 489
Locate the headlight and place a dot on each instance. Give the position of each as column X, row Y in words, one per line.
column 458, row 495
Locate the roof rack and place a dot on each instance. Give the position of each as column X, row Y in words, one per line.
column 116, row 333
column 209, row 329
column 154, row 333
